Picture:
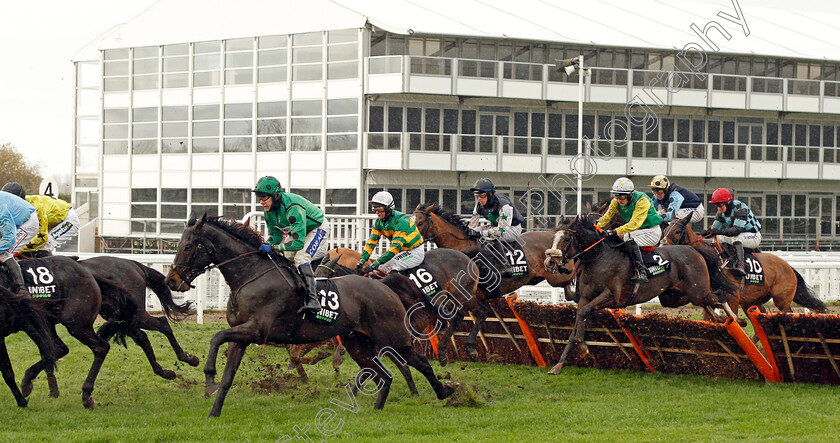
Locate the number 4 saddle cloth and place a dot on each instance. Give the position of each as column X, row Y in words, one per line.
column 39, row 276
column 330, row 303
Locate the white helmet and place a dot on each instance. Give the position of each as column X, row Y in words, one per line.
column 622, row 186
column 383, row 198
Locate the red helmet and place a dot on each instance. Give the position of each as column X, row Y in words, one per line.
column 721, row 195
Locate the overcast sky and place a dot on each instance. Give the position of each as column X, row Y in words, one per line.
column 37, row 41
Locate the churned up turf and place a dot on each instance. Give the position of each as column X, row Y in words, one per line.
column 493, row 402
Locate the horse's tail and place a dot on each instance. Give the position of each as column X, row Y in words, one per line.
column 155, row 282
column 804, row 295
column 724, row 287
column 118, row 327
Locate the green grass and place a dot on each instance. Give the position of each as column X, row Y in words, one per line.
column 504, row 403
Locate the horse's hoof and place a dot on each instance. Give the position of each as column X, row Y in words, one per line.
column 556, row 369
column 291, row 366
column 26, row 389
column 191, row 360
column 23, row 402
column 167, row 374
column 209, row 390
column 742, row 322
column 89, row 403
column 472, row 354
column 446, row 392
column 212, row 414
column 54, row 393
column 443, row 359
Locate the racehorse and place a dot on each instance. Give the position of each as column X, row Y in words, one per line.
column 136, row 277
column 458, row 276
column 17, row 316
column 604, row 280
column 265, row 296
column 447, row 230
column 782, row 283
column 75, row 304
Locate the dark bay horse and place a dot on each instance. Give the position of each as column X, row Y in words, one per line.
column 265, row 296
column 458, row 276
column 136, row 277
column 604, row 280
column 782, row 283
column 17, row 316
column 447, row 230
column 74, row 304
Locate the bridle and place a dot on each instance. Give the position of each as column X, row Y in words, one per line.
column 428, row 224
column 681, row 240
column 187, row 272
column 568, row 259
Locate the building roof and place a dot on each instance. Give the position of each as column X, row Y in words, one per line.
column 775, row 28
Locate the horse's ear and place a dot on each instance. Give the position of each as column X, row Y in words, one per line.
column 200, row 223
column 247, row 223
column 684, row 221
column 191, row 221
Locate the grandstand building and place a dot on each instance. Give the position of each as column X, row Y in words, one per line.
column 185, row 106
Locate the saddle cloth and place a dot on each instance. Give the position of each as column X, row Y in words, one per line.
column 39, row 277
column 330, row 301
column 753, row 268
column 655, row 264
column 516, row 259
column 424, row 280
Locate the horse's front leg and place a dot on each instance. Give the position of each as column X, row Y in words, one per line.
column 604, row 299
column 235, row 353
column 245, row 333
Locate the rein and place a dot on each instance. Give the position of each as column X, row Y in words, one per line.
column 566, row 260
column 428, row 220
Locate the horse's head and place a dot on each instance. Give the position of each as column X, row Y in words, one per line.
column 192, row 257
column 327, row 267
column 423, row 219
column 678, row 233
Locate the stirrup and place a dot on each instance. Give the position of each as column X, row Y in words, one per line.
column 639, row 277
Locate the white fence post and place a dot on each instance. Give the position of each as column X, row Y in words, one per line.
column 201, row 290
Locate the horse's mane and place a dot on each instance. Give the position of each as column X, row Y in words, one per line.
column 234, row 228
column 448, row 216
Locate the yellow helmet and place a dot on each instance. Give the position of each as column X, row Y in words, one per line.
column 660, row 182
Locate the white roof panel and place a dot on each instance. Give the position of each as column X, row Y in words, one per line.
column 809, row 31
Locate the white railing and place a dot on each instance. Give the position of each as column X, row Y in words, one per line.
column 821, row 270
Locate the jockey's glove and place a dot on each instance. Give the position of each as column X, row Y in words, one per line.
column 265, row 248
column 610, row 233
column 359, row 267
column 711, row 232
column 368, row 268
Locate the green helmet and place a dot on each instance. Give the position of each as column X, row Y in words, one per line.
column 268, row 185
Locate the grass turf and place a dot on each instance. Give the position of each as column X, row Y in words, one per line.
column 495, row 403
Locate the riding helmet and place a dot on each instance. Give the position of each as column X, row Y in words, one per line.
column 383, row 198
column 721, row 195
column 268, row 186
column 484, row 185
column 14, row 188
column 660, row 182
column 622, row 186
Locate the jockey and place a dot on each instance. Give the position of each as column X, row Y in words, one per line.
column 405, row 250
column 505, row 221
column 641, row 227
column 673, row 202
column 58, row 221
column 18, row 225
column 735, row 224
column 307, row 232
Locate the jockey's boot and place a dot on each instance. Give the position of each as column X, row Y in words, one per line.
column 639, row 271
column 18, row 287
column 502, row 264
column 312, row 305
column 738, row 266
